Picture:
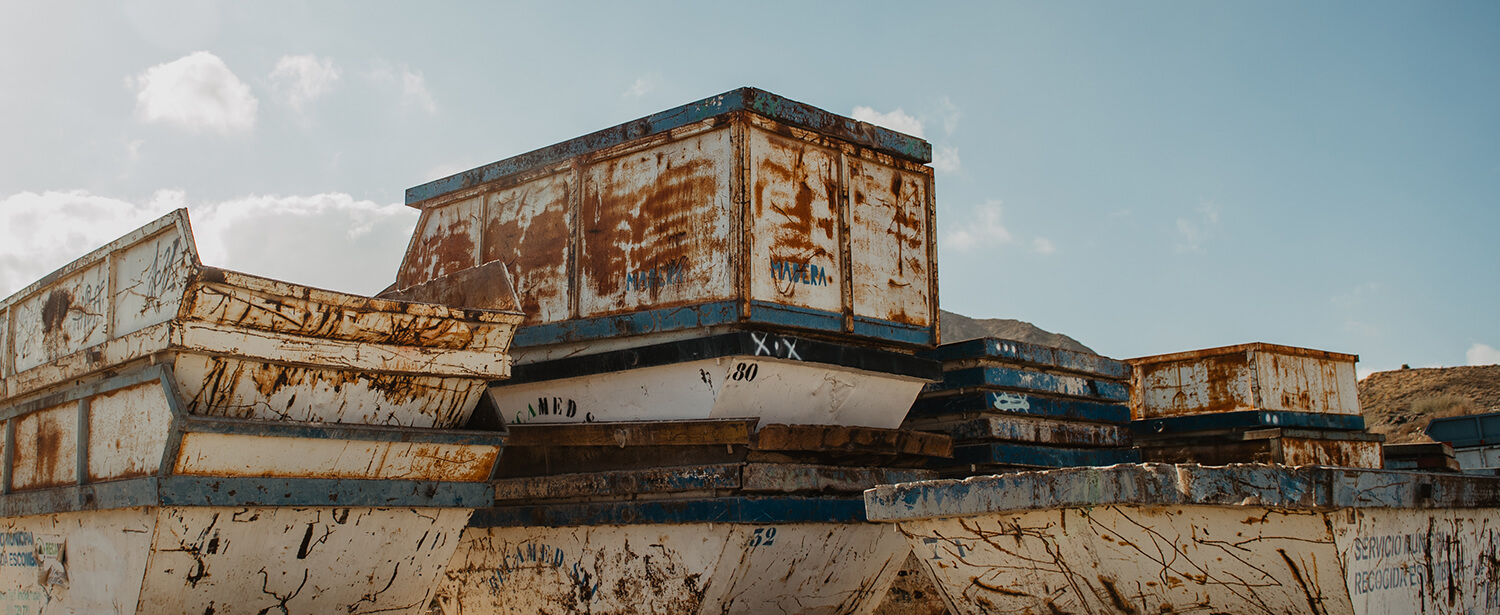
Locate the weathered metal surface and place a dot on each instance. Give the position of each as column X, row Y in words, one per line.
column 1478, row 457
column 756, row 101
column 1250, row 418
column 702, row 480
column 1466, row 431
column 1237, row 539
column 1286, row 449
column 1245, row 377
column 774, row 390
column 1005, row 377
column 653, row 433
column 1027, row 429
column 724, row 212
column 913, row 592
column 133, row 426
column 683, row 568
column 1001, row 351
column 242, row 344
column 968, row 401
column 551, row 449
column 226, row 560
column 1040, row 456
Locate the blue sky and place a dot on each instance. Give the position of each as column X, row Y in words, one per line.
column 1145, row 177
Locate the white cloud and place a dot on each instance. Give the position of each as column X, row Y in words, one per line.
column 327, row 240
column 414, row 91
column 1357, row 295
column 984, row 229
column 197, row 92
column 950, row 114
column 1193, row 233
column 896, row 120
column 1042, row 245
column 945, row 159
column 1482, row 354
column 643, row 85
column 299, row 80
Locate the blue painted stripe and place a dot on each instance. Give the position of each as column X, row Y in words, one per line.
column 798, row 317
column 336, row 431
column 1022, row 403
column 1247, row 418
column 213, row 491
column 1032, row 380
column 1041, row 456
column 625, row 325
column 712, row 314
column 714, row 510
column 758, row 101
column 894, row 331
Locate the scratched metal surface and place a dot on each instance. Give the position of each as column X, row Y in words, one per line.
column 1245, row 377
column 248, row 346
column 674, row 569
column 1280, row 487
column 1245, row 559
column 776, row 223
column 226, row 560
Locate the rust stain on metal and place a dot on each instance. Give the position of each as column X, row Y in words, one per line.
column 650, row 227
column 526, row 228
column 446, row 246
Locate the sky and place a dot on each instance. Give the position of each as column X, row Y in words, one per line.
column 1144, row 177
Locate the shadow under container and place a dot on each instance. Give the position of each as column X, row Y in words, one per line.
column 179, row 438
column 744, row 208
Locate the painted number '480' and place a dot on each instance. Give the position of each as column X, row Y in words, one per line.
column 763, row 537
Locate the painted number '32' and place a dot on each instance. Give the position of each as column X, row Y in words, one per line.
column 763, row 537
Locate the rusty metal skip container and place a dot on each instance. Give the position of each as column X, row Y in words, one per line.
column 179, row 438
column 744, row 208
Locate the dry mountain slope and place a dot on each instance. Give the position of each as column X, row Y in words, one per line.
column 1399, row 403
column 957, row 328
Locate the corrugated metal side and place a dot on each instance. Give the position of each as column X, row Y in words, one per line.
column 529, row 228
column 889, row 233
column 796, row 206
column 655, row 225
column 1307, row 384
column 128, row 430
column 1222, row 383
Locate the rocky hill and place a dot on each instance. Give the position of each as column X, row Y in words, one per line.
column 957, row 328
column 1399, row 403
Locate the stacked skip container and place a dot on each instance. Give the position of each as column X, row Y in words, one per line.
column 1272, row 501
column 723, row 302
column 1012, row 405
column 179, row 438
